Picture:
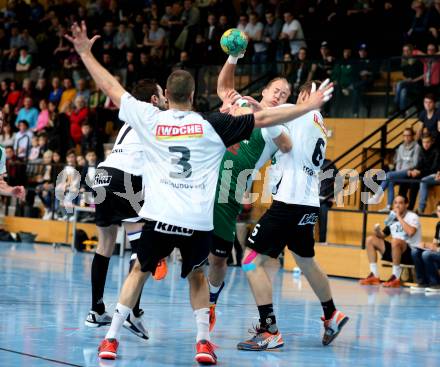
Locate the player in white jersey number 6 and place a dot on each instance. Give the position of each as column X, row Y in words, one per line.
column 291, row 220
column 183, row 154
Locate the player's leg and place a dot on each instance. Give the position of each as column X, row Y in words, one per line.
column 134, row 320
column 266, row 240
column 106, row 245
column 217, row 269
column 398, row 248
column 153, row 246
column 373, row 244
column 302, row 245
column 195, row 250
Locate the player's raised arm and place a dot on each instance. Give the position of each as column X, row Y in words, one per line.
column 103, row 79
column 280, row 115
column 225, row 82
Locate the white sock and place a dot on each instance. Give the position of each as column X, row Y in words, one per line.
column 214, row 289
column 202, row 320
column 120, row 315
column 373, row 269
column 397, row 270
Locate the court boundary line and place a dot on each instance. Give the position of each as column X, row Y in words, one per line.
column 39, row 357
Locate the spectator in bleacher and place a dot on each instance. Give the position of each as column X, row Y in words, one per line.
column 292, row 32
column 68, row 95
column 412, row 70
column 254, row 32
column 77, row 118
column 343, row 75
column 8, row 115
column 155, row 36
column 108, row 35
column 426, row 259
column 418, row 32
column 80, row 162
column 212, row 35
column 124, row 39
column 43, row 116
column 425, row 184
column 406, row 158
column 323, row 69
column 271, row 33
column 404, row 228
column 431, row 69
column 43, row 142
column 7, row 136
column 56, row 91
column 29, row 41
column 167, row 17
column 62, row 50
column 428, row 165
column 41, row 90
column 223, row 23
column 22, row 143
column 16, row 173
column 34, row 152
column 434, row 19
column 430, row 119
column 242, row 22
column 82, row 90
column 46, row 182
column 26, row 92
column 4, row 91
column 28, row 113
column 67, row 187
column 89, row 170
column 16, row 41
column 14, row 95
column 301, row 72
column 190, row 19
column 24, row 61
column 365, row 75
column 90, row 140
column 97, row 97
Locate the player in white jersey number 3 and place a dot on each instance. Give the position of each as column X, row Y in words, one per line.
column 291, row 220
column 183, row 154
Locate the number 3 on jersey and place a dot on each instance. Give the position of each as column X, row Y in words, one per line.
column 183, row 161
column 318, row 153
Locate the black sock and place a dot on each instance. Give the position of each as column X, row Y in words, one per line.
column 136, row 308
column 99, row 274
column 267, row 318
column 329, row 308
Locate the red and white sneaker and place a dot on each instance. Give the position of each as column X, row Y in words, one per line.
column 262, row 340
column 205, row 352
column 393, row 282
column 333, row 327
column 108, row 348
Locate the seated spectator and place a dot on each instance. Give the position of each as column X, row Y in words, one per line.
column 41, row 90
column 14, row 95
column 67, row 188
column 4, row 91
column 77, row 118
column 124, row 38
column 431, row 69
column 16, row 170
column 412, row 70
column 97, row 97
column 22, row 143
column 8, row 115
column 430, row 119
column 343, row 74
column 7, row 136
column 242, row 22
column 28, row 113
column 89, row 140
column 80, row 162
column 427, row 262
column 82, row 90
column 56, row 92
column 425, row 184
column 301, row 72
column 323, row 69
column 34, row 152
column 418, row 33
column 426, row 169
column 27, row 91
column 43, row 142
column 406, row 158
column 24, row 62
column 43, row 116
column 155, row 36
column 68, row 95
column 405, row 231
column 292, row 32
column 89, row 170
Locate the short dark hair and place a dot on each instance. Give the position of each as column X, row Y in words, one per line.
column 307, row 86
column 410, row 129
column 144, row 89
column 427, row 136
column 438, row 202
column 430, row 96
column 70, row 152
column 90, row 151
column 23, row 122
column 180, row 86
column 405, row 199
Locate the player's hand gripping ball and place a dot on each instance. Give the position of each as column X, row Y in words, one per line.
column 234, row 42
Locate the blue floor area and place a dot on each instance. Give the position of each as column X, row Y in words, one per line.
column 45, row 296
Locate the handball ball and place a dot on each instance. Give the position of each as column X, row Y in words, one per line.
column 234, row 42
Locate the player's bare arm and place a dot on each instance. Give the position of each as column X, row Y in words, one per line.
column 280, row 115
column 103, row 79
column 16, row 191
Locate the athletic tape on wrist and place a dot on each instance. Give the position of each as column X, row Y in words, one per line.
column 232, row 60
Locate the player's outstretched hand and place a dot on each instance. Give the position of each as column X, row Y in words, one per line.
column 256, row 106
column 231, row 97
column 322, row 95
column 81, row 42
column 19, row 192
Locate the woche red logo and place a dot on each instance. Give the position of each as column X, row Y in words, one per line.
column 167, row 132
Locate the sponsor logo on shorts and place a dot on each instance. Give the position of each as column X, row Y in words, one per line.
column 311, row 218
column 170, row 132
column 170, row 229
column 102, row 180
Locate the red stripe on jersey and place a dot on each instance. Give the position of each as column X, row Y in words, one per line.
column 176, row 132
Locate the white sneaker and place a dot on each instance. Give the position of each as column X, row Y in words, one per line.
column 419, row 288
column 94, row 319
column 47, row 215
column 433, row 289
column 387, row 209
column 134, row 324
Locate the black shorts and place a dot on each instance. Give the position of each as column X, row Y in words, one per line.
column 406, row 256
column 285, row 224
column 158, row 241
column 221, row 247
column 115, row 208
